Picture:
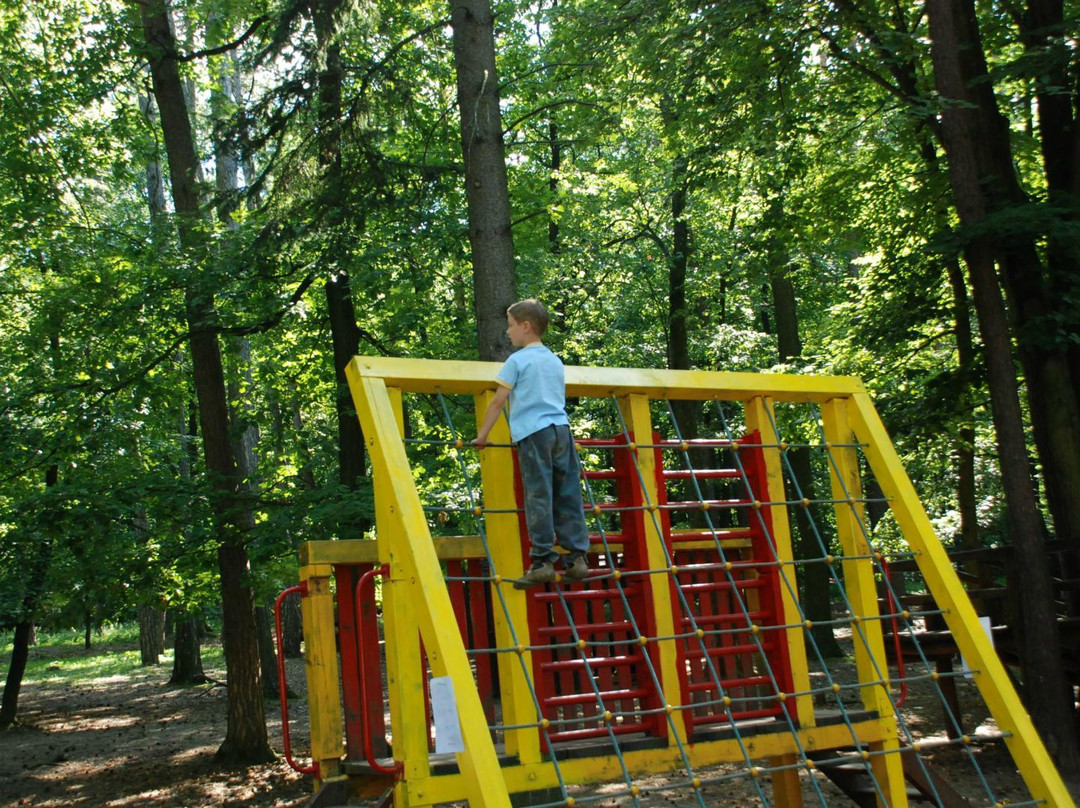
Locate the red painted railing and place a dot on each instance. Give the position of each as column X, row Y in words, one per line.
column 283, row 685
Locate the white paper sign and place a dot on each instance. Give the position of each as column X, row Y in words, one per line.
column 444, row 711
column 985, row 623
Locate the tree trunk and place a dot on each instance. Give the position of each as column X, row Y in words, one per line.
column 246, row 739
column 816, row 583
column 267, row 653
column 964, row 451
column 494, row 280
column 187, row 656
column 344, row 333
column 1039, row 297
column 35, row 589
column 292, row 627
column 969, row 144
column 20, row 653
column 151, row 634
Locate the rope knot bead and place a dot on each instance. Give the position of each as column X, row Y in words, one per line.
column 684, row 445
column 696, row 783
column 459, row 444
column 477, row 511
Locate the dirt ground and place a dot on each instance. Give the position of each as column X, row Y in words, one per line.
column 134, row 741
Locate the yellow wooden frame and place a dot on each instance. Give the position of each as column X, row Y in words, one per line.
column 415, row 595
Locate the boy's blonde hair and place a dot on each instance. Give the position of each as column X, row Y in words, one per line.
column 531, row 311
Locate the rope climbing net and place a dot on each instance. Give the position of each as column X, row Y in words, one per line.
column 701, row 647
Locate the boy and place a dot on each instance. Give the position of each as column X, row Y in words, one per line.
column 533, row 381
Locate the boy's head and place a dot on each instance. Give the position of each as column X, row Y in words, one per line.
column 527, row 318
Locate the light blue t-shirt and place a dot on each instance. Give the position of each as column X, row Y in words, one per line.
column 538, row 390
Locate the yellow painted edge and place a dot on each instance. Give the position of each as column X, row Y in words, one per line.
column 418, row 572
column 497, row 477
column 758, row 411
column 870, row 661
column 431, row 375
column 635, row 409
column 519, row 778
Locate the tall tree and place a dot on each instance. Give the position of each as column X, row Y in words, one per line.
column 975, row 137
column 246, row 738
column 494, row 279
column 344, row 332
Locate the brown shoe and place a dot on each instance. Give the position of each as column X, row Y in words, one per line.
column 575, row 568
column 541, row 572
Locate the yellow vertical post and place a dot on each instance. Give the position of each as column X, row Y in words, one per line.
column 511, row 627
column 861, row 589
column 1027, row 749
column 635, row 413
column 321, row 664
column 759, row 417
column 404, row 661
column 421, row 580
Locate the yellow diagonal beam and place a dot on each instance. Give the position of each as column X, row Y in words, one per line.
column 420, row 575
column 1028, row 751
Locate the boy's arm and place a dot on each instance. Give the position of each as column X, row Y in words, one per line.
column 491, row 416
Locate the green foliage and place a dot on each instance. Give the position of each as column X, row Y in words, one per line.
column 800, row 133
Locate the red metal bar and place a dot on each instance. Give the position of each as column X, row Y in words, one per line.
column 283, row 686
column 349, row 636
column 369, row 755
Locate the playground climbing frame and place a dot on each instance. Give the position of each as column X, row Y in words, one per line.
column 688, row 647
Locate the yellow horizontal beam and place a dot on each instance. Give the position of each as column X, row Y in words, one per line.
column 434, row 375
column 365, row 551
column 532, row 777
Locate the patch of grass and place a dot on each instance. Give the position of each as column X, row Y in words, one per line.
column 60, row 658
